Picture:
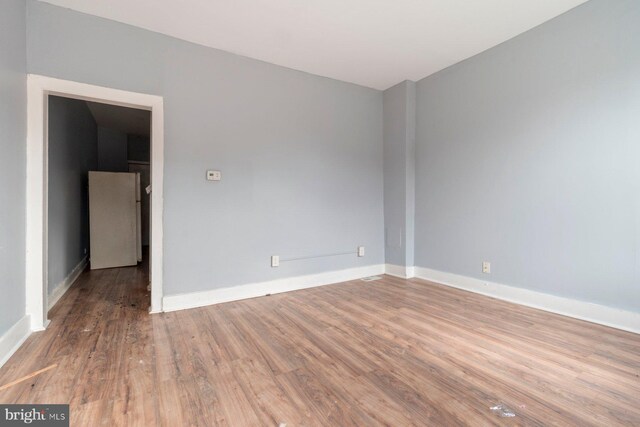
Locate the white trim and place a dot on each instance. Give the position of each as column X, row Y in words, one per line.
column 252, row 290
column 38, row 89
column 62, row 287
column 13, row 339
column 595, row 313
column 401, row 271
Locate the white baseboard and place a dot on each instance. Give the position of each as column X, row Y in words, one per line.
column 13, row 338
column 252, row 290
column 595, row 313
column 400, row 271
column 62, row 287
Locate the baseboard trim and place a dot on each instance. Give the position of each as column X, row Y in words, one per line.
column 400, row 271
column 13, row 338
column 62, row 287
column 252, row 290
column 594, row 313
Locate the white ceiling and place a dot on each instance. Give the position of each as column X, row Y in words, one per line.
column 374, row 43
column 128, row 120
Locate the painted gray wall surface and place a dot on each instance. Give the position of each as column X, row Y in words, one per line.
column 13, row 128
column 300, row 155
column 399, row 107
column 138, row 148
column 112, row 150
column 73, row 152
column 528, row 156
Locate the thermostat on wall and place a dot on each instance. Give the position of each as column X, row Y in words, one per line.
column 214, row 175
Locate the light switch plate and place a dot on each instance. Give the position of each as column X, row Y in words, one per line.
column 214, row 175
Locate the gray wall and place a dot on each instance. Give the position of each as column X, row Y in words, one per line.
column 73, row 152
column 399, row 106
column 112, row 150
column 528, row 156
column 301, row 155
column 138, row 148
column 13, row 113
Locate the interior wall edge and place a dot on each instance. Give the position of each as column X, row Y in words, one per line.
column 61, row 288
column 13, row 338
column 590, row 312
column 260, row 289
column 401, row 271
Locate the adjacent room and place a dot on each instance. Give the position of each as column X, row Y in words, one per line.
column 98, row 195
column 325, row 213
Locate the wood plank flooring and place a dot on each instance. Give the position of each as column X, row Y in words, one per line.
column 388, row 352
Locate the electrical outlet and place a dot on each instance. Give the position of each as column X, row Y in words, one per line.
column 275, row 261
column 214, row 175
column 486, row 267
column 360, row 250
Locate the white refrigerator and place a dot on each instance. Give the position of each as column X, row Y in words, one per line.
column 114, row 219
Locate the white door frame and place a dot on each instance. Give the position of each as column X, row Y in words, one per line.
column 38, row 90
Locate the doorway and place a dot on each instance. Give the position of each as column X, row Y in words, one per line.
column 98, row 211
column 39, row 89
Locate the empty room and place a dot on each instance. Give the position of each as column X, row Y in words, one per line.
column 320, row 213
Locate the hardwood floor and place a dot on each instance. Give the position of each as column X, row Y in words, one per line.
column 388, row 352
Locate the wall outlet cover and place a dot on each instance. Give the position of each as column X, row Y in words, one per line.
column 214, row 175
column 275, row 261
column 486, row 267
